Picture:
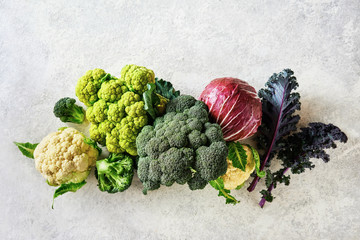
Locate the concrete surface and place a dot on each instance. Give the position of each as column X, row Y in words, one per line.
column 45, row 46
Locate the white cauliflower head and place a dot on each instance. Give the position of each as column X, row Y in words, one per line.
column 64, row 156
column 234, row 177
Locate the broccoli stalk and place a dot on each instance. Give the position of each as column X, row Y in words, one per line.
column 68, row 111
column 114, row 173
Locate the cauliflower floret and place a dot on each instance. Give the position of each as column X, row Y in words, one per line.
column 235, row 177
column 63, row 157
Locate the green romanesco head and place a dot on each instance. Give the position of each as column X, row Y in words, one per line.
column 98, row 112
column 116, row 112
column 112, row 141
column 129, row 98
column 128, row 132
column 98, row 131
column 115, row 107
column 136, row 109
column 88, row 86
column 137, row 77
column 112, row 90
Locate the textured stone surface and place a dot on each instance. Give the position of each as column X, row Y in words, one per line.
column 45, row 47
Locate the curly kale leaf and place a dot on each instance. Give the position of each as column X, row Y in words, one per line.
column 278, row 104
column 309, row 143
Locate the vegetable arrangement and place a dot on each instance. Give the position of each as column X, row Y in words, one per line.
column 145, row 124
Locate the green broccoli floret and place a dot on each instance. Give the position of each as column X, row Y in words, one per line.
column 68, row 111
column 114, row 173
column 210, row 164
column 182, row 147
column 197, row 182
column 180, row 103
column 137, row 77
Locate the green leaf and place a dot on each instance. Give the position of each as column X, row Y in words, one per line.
column 166, row 89
column 27, row 149
column 92, row 143
column 151, row 100
column 257, row 162
column 218, row 184
column 67, row 187
column 237, row 155
column 240, row 186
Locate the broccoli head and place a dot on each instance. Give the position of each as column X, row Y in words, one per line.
column 68, row 111
column 114, row 173
column 182, row 146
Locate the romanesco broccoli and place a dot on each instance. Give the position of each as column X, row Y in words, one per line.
column 115, row 106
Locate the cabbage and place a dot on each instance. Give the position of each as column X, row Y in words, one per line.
column 235, row 106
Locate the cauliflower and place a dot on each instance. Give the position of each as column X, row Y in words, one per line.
column 64, row 156
column 235, row 177
column 115, row 106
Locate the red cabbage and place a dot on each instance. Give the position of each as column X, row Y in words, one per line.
column 234, row 105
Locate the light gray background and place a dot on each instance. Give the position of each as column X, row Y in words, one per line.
column 45, row 46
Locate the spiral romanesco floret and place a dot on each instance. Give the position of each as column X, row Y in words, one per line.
column 111, row 91
column 88, row 86
column 98, row 112
column 136, row 77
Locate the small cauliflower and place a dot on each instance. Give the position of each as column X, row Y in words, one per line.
column 235, row 177
column 64, row 156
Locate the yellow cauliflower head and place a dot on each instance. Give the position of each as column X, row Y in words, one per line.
column 235, row 177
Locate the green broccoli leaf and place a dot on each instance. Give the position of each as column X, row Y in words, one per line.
column 151, row 99
column 237, row 155
column 166, row 89
column 256, row 157
column 27, row 149
column 218, row 184
column 67, row 187
column 92, row 143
